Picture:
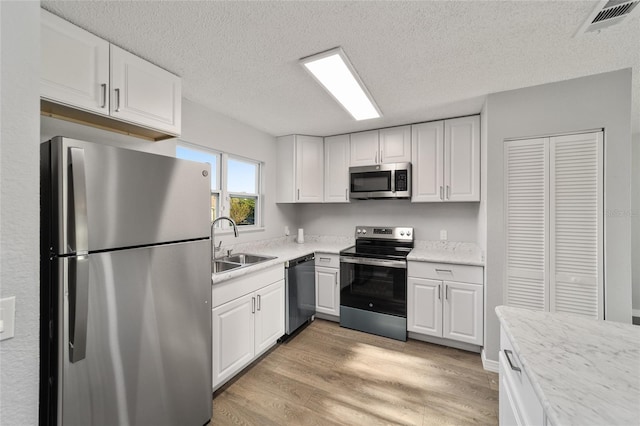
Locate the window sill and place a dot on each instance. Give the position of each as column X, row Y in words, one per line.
column 241, row 230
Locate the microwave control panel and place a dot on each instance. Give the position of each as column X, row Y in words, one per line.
column 401, row 180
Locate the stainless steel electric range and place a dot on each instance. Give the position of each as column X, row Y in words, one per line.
column 373, row 281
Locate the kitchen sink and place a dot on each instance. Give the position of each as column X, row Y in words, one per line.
column 222, row 266
column 235, row 261
column 246, row 259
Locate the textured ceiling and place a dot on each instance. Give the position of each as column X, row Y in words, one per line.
column 420, row 60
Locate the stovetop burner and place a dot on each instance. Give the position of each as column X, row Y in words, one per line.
column 381, row 242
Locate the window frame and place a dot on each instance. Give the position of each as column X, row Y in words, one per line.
column 224, row 195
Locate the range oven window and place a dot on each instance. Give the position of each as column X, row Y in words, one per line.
column 371, row 181
column 374, row 288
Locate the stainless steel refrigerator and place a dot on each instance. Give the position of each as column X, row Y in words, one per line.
column 125, row 287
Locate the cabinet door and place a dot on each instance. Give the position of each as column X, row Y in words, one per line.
column 463, row 312
column 269, row 318
column 75, row 65
column 328, row 291
column 233, row 337
column 143, row 93
column 424, row 306
column 576, row 224
column 309, row 169
column 336, row 169
column 462, row 159
column 427, row 157
column 395, row 145
column 364, row 148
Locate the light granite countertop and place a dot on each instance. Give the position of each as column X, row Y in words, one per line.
column 285, row 248
column 585, row 372
column 447, row 252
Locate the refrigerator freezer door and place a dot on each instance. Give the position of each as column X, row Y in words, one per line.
column 148, row 341
column 123, row 198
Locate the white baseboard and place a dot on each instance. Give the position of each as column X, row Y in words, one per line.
column 488, row 364
column 635, row 312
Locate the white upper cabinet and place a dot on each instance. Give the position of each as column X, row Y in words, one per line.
column 300, row 169
column 395, row 145
column 462, row 159
column 364, row 148
column 428, row 161
column 84, row 74
column 143, row 93
column 446, row 160
column 336, row 169
column 392, row 145
column 75, row 65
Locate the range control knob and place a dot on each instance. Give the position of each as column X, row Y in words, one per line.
column 408, row 233
column 358, row 231
column 364, row 231
column 402, row 233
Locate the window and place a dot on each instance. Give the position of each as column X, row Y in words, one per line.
column 235, row 184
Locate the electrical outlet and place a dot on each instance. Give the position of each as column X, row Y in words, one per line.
column 443, row 234
column 7, row 317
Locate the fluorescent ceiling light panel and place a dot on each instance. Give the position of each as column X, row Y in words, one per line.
column 335, row 73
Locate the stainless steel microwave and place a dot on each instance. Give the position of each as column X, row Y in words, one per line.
column 380, row 181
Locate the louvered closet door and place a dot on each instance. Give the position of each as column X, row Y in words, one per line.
column 526, row 219
column 576, row 224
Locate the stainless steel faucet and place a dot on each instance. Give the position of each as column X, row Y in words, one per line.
column 215, row 249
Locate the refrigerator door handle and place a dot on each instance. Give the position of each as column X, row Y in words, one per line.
column 78, row 307
column 80, row 228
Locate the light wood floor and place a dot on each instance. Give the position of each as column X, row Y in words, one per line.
column 331, row 375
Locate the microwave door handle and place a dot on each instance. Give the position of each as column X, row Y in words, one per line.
column 393, row 181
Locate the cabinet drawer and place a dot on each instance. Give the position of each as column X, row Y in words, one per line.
column 328, row 260
column 446, row 272
column 527, row 405
column 237, row 287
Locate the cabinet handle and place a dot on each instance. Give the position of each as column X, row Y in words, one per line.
column 448, row 192
column 346, row 194
column 381, row 160
column 325, row 259
column 446, row 291
column 258, row 302
column 104, row 95
column 298, row 194
column 253, row 305
column 117, row 109
column 449, row 271
column 441, row 194
column 439, row 297
column 513, row 367
column 375, row 158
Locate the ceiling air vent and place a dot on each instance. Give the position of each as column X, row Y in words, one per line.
column 608, row 13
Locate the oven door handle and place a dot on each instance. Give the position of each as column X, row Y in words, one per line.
column 374, row 262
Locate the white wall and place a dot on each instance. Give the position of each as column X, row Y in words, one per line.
column 598, row 101
column 19, row 207
column 459, row 219
column 207, row 128
column 635, row 223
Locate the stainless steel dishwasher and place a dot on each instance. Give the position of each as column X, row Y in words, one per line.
column 300, row 287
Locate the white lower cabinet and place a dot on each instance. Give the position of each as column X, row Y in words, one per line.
column 439, row 305
column 247, row 319
column 518, row 403
column 328, row 285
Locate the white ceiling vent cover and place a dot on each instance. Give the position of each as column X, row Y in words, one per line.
column 608, row 13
